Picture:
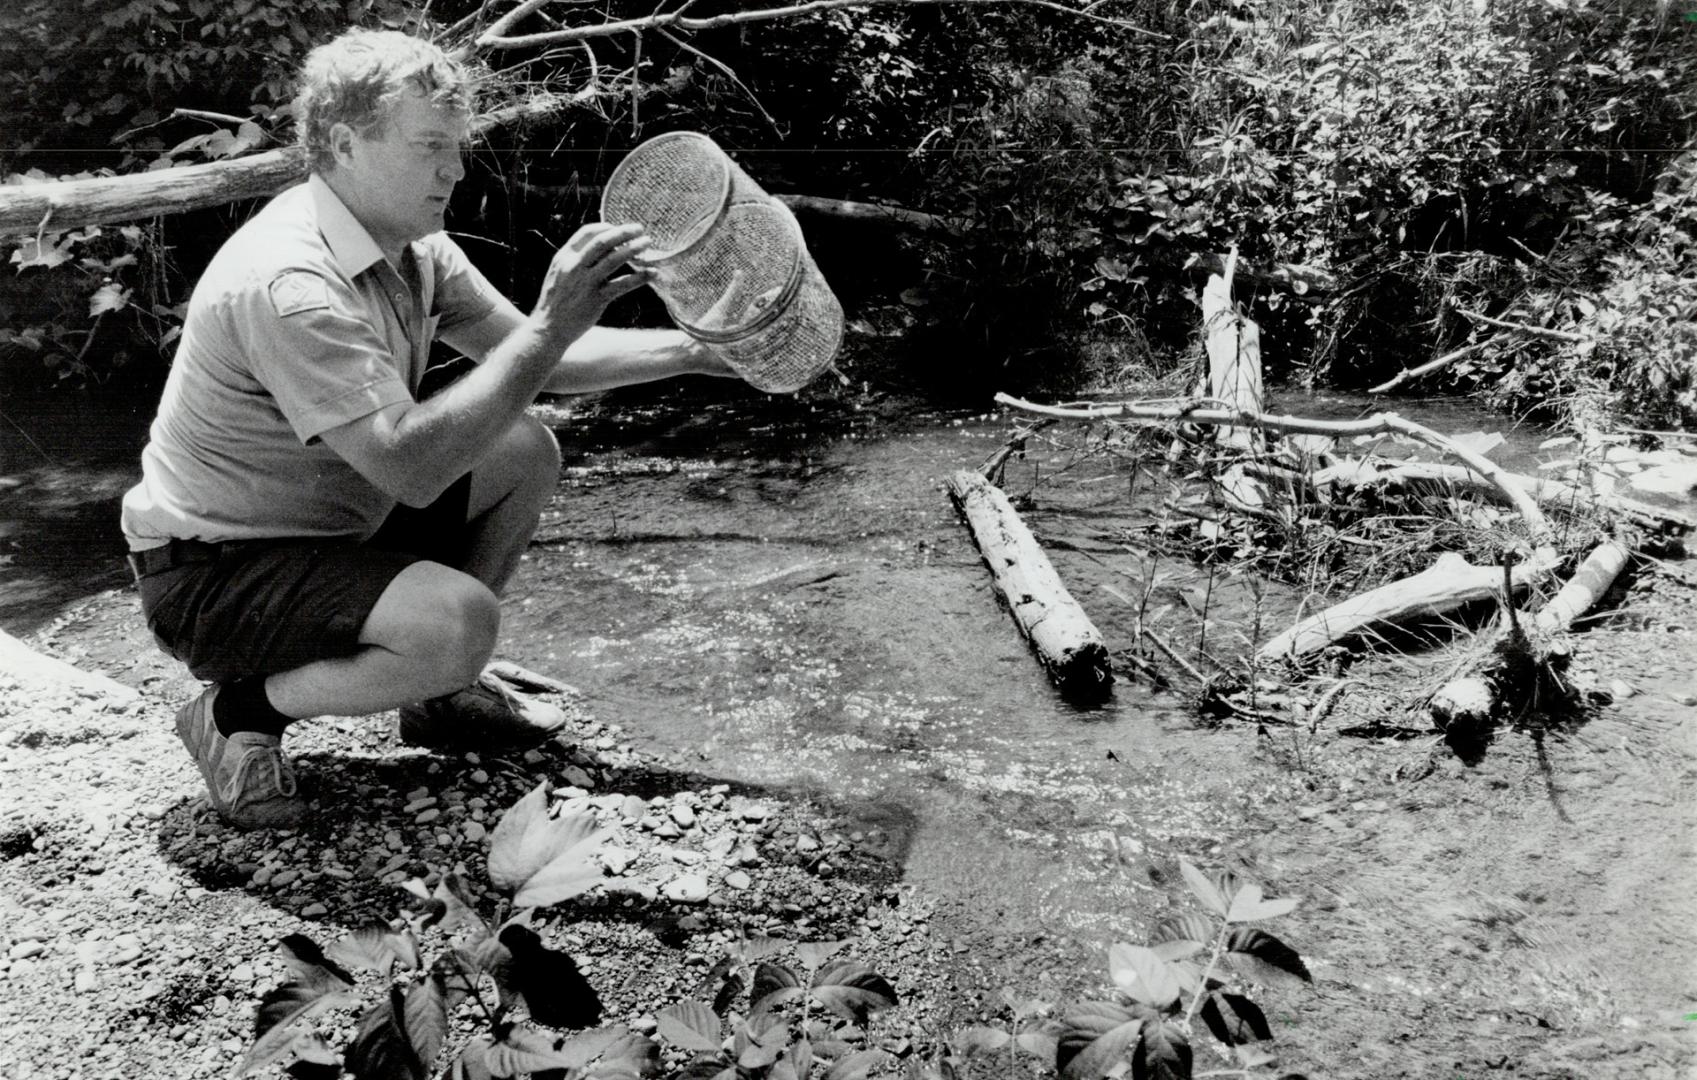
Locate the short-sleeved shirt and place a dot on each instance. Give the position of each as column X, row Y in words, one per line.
column 299, row 325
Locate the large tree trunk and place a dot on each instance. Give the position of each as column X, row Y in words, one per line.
column 1066, row 641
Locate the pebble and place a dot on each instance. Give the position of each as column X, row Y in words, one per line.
column 314, row 910
column 125, row 948
column 616, row 860
column 632, row 808
column 284, row 877
column 755, row 812
column 688, row 889
column 576, row 777
column 1621, row 689
column 666, row 830
column 86, row 981
column 474, row 832
column 738, row 880
column 419, row 804
column 806, row 842
column 23, row 950
column 427, row 816
column 478, row 776
column 683, row 815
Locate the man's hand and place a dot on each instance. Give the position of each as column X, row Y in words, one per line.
column 585, row 276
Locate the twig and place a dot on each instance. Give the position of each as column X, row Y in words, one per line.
column 1173, row 656
column 1427, row 368
column 1535, row 331
column 726, row 68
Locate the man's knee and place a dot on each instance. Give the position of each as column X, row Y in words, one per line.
column 531, row 451
column 444, row 619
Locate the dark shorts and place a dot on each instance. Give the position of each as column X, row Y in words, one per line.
column 263, row 606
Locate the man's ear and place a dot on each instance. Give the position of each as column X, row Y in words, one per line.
column 342, row 143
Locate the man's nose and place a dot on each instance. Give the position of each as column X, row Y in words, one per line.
column 453, row 169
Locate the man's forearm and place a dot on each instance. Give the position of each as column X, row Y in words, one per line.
column 608, row 357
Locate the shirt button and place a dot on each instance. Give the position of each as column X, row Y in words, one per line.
column 397, row 298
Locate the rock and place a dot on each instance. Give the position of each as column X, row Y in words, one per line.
column 1674, row 481
column 427, row 816
column 576, row 777
column 125, row 948
column 748, row 855
column 616, row 860
column 632, row 808
column 419, row 804
column 23, row 950
column 806, row 842
column 1466, row 702
column 283, row 878
column 738, row 880
column 666, row 830
column 755, row 812
column 683, row 815
column 474, row 832
column 687, row 889
column 645, row 1024
column 86, row 981
column 1685, row 699
column 1620, row 689
column 314, row 911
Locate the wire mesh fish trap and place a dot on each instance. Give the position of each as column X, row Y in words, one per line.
column 729, row 260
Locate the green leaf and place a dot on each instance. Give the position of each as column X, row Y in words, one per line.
column 546, row 859
column 1248, row 905
column 1142, row 973
column 757, row 948
column 109, row 297
column 1162, row 1054
column 277, row 1037
column 375, row 947
column 813, row 954
column 302, row 956
column 852, row 989
column 425, row 1019
column 855, row 1066
column 1259, row 955
column 1187, row 927
column 1234, row 1019
column 473, row 1062
column 690, row 1025
column 774, row 979
column 1089, row 1053
column 1177, row 950
column 1039, row 1044
column 1203, row 889
column 381, row 1049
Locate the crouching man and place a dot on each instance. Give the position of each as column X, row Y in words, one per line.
column 308, row 535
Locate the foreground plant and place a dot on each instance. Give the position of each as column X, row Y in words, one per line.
column 778, row 1038
column 1163, row 990
column 541, row 856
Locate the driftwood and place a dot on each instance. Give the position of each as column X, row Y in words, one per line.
column 31, row 668
column 1514, row 662
column 1546, row 490
column 1067, row 643
column 1427, row 368
column 1377, row 424
column 1447, row 584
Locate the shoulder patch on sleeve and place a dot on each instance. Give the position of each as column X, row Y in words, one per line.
column 294, row 291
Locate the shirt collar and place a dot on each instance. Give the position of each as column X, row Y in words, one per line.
column 353, row 248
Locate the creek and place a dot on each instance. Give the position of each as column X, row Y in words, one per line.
column 779, row 592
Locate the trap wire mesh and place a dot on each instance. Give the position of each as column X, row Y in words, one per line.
column 729, row 260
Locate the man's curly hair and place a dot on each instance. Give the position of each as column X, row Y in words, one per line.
column 357, row 78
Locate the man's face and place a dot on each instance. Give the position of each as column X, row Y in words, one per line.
column 400, row 180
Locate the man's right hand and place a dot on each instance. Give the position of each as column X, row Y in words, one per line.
column 586, row 275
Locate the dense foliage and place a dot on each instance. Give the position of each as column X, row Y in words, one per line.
column 1514, row 158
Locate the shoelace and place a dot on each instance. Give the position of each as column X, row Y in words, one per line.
column 498, row 686
column 282, row 773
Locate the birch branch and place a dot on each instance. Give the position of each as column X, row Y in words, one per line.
column 497, row 37
column 1427, row 368
column 1377, row 424
column 1535, row 331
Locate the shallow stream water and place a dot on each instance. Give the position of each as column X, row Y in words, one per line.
column 780, row 592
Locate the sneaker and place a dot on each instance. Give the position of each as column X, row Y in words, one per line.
column 248, row 781
column 487, row 715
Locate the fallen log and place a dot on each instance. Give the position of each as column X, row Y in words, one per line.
column 1449, row 583
column 62, row 205
column 1546, row 490
column 1067, row 643
column 32, row 668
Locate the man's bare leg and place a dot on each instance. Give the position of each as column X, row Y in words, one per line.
column 434, row 628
